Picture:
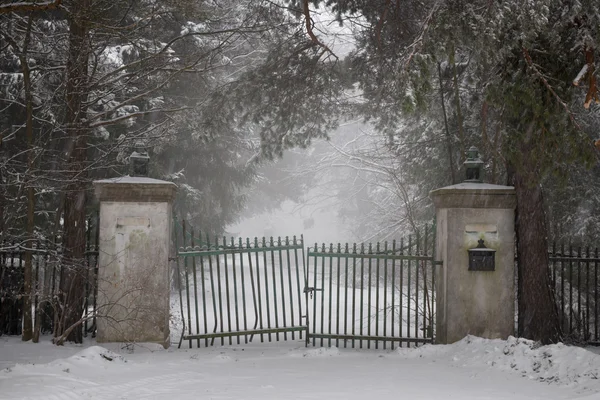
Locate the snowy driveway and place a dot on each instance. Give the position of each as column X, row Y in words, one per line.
column 471, row 369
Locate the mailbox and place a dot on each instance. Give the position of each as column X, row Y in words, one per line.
column 481, row 258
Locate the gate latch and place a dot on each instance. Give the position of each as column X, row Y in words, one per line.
column 308, row 289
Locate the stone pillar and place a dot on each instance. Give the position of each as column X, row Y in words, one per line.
column 475, row 302
column 133, row 263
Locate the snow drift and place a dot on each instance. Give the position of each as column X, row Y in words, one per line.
column 560, row 364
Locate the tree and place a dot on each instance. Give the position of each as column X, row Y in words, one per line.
column 520, row 65
column 108, row 74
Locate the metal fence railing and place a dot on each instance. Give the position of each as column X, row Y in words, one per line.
column 47, row 270
column 574, row 275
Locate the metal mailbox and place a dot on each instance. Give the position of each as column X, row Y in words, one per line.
column 481, row 258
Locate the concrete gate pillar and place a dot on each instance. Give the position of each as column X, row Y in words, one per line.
column 475, row 287
column 133, row 262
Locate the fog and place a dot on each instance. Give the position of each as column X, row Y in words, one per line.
column 326, row 191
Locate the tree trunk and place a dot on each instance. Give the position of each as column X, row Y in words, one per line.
column 459, row 118
column 72, row 285
column 28, row 268
column 448, row 136
column 538, row 315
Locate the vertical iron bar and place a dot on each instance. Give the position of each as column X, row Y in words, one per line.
column 330, row 287
column 257, row 315
column 554, row 267
column 337, row 304
column 235, row 288
column 322, row 290
column 53, row 289
column 377, row 296
column 227, row 293
column 202, row 278
column 353, row 292
column 314, row 294
column 22, row 279
column 305, row 272
column 194, row 274
column 305, row 275
column 283, row 319
column 298, row 284
column 393, row 286
column 433, row 273
column 417, row 243
column 362, row 287
column 96, row 266
column 265, row 265
column 212, row 288
column 369, row 297
column 87, row 275
column 587, row 295
column 425, row 292
column 38, row 287
column 274, row 282
column 408, row 298
column 385, row 289
column 241, row 247
column 562, row 286
column 260, row 310
column 579, row 313
column 187, row 285
column 346, row 295
column 289, row 267
column 401, row 314
column 596, row 295
column 570, row 289
column 178, row 280
column 220, row 290
column 553, row 264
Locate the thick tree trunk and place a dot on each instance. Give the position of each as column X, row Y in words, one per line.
column 72, row 285
column 538, row 315
column 28, row 268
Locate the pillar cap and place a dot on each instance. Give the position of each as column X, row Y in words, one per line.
column 474, row 195
column 135, row 189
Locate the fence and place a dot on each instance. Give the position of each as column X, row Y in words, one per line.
column 47, row 270
column 574, row 274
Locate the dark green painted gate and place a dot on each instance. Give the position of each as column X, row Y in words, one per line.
column 235, row 291
column 365, row 296
column 373, row 296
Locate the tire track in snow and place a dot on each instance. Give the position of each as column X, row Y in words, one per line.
column 143, row 388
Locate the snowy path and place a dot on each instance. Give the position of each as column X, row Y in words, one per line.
column 468, row 370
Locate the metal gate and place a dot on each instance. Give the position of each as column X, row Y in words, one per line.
column 240, row 290
column 372, row 295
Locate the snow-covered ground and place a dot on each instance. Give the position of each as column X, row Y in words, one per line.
column 470, row 369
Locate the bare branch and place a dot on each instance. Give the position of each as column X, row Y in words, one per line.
column 309, row 29
column 26, row 6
